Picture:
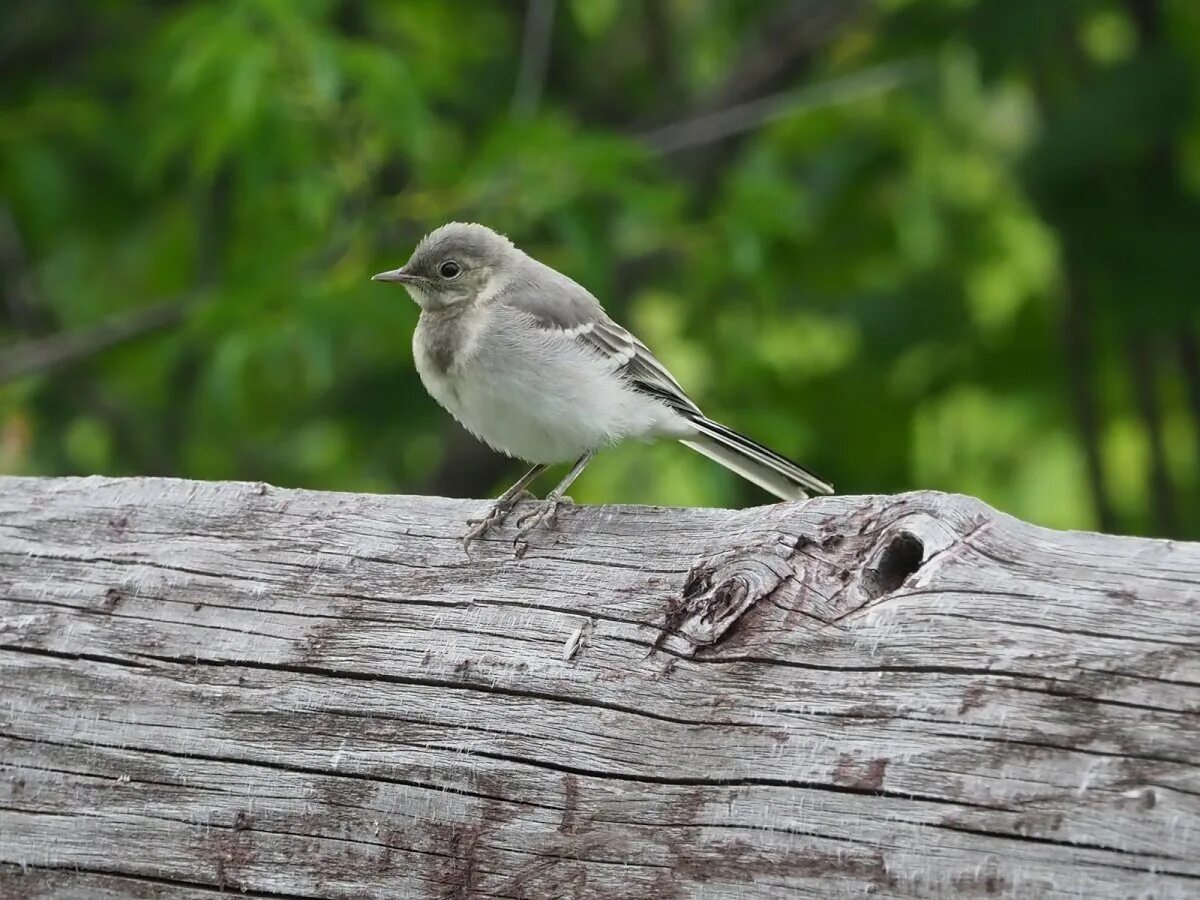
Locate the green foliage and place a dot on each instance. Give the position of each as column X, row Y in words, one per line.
column 902, row 287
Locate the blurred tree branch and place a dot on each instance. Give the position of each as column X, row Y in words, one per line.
column 1077, row 337
column 20, row 305
column 1160, row 168
column 781, row 47
column 535, row 57
column 1144, row 371
column 663, row 58
column 777, row 51
column 57, row 351
column 743, row 117
column 1147, row 16
column 52, row 351
column 1189, row 361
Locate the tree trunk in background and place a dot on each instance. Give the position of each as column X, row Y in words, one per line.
column 1142, row 369
column 232, row 687
column 1077, row 335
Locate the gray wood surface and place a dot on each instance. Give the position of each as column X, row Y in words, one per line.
column 279, row 693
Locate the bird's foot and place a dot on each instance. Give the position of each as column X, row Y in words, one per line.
column 496, row 517
column 545, row 513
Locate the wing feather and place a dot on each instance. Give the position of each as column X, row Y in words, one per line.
column 633, row 361
column 556, row 303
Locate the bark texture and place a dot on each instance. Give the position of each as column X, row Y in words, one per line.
column 238, row 688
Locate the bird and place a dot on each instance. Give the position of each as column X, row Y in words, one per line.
column 528, row 361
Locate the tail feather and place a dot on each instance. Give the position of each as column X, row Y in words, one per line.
column 754, row 462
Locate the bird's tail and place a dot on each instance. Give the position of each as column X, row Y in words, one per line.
column 753, row 461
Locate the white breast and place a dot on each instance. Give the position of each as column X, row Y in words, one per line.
column 535, row 394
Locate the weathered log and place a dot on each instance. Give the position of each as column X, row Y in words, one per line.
column 234, row 687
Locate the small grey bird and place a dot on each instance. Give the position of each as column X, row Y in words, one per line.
column 528, row 361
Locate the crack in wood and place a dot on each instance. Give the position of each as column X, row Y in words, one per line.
column 16, row 873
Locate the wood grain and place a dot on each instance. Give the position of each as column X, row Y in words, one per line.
column 239, row 688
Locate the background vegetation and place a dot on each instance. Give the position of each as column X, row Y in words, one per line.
column 913, row 243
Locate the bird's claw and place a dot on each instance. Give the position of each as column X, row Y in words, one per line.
column 495, row 518
column 545, row 512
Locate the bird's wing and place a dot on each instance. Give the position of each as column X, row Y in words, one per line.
column 559, row 304
column 634, row 361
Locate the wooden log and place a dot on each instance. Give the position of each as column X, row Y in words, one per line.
column 283, row 693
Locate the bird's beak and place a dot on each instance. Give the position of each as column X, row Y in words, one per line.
column 397, row 275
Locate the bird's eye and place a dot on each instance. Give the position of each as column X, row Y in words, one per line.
column 449, row 269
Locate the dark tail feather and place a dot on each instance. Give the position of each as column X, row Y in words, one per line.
column 753, row 461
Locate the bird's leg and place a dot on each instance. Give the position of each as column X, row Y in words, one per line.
column 548, row 508
column 502, row 507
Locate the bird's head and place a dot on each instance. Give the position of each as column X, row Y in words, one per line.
column 454, row 264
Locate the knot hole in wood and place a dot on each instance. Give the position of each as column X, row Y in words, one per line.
column 900, row 557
